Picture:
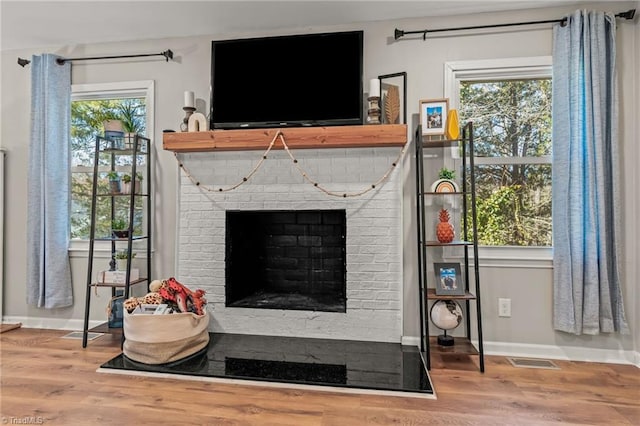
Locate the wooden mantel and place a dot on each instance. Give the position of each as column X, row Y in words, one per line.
column 296, row 138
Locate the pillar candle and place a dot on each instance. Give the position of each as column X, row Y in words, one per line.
column 374, row 87
column 189, row 99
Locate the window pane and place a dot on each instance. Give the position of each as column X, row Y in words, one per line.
column 511, row 120
column 80, row 204
column 514, row 211
column 87, row 117
column 81, row 208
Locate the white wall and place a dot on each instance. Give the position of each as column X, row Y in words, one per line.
column 529, row 288
column 635, row 158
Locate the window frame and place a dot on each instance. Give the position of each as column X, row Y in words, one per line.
column 94, row 91
column 490, row 70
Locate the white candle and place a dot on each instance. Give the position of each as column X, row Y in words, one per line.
column 374, row 87
column 189, row 99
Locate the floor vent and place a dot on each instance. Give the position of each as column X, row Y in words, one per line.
column 78, row 335
column 533, row 363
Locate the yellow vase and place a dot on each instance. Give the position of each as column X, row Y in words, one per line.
column 453, row 127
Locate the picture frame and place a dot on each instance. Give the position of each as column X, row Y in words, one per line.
column 449, row 280
column 433, row 116
column 393, row 98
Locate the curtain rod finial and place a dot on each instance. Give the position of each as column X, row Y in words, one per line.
column 398, row 33
column 23, row 62
column 629, row 14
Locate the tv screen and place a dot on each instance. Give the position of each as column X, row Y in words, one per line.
column 297, row 80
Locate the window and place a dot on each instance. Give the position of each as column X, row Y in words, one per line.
column 91, row 105
column 509, row 102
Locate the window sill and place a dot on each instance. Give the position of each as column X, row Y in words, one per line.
column 101, row 249
column 514, row 257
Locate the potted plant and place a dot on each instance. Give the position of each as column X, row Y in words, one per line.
column 113, row 131
column 113, row 125
column 114, row 182
column 116, row 274
column 137, row 183
column 445, row 173
column 445, row 182
column 123, row 255
column 130, row 132
column 119, row 228
column 126, row 184
column 132, row 122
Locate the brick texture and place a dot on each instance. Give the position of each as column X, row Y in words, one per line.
column 373, row 236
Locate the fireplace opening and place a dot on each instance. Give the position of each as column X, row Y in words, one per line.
column 286, row 260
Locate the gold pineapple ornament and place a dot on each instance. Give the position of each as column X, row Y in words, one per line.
column 445, row 232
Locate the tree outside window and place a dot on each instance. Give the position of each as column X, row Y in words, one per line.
column 87, row 116
column 512, row 135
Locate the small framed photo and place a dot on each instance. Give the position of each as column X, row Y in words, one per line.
column 393, row 98
column 449, row 280
column 433, row 116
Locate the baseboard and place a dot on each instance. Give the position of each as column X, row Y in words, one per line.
column 568, row 353
column 410, row 341
column 50, row 323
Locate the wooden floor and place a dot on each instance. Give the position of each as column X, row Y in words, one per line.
column 53, row 381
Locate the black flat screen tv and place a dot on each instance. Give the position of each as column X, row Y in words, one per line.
column 287, row 81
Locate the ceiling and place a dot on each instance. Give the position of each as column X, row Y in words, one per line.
column 30, row 24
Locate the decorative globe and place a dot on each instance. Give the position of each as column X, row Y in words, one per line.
column 446, row 314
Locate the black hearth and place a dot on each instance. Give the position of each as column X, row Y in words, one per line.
column 335, row 364
column 286, row 260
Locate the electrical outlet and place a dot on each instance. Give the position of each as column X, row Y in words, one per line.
column 504, row 307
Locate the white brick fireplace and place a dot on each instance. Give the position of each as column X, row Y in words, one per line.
column 373, row 236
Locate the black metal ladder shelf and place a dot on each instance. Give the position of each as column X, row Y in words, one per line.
column 469, row 247
column 108, row 153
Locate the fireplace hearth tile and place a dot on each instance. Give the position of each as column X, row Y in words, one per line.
column 373, row 366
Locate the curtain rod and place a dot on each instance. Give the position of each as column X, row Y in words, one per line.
column 168, row 54
column 629, row 14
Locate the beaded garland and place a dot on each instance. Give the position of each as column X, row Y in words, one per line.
column 305, row 175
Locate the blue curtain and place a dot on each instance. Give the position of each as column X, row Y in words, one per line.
column 586, row 199
column 48, row 270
